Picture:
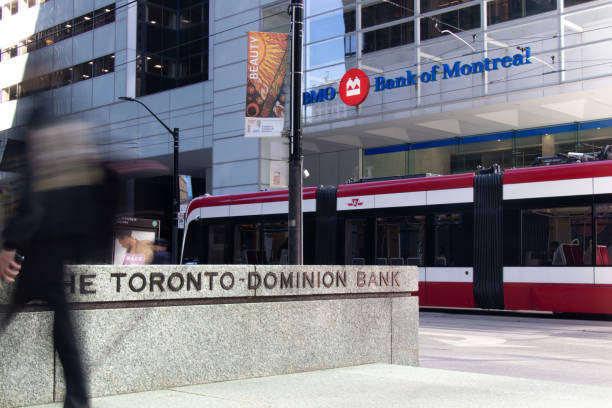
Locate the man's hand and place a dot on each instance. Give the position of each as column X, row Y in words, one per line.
column 9, row 269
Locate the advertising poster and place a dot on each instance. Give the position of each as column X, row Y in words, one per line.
column 266, row 70
column 133, row 241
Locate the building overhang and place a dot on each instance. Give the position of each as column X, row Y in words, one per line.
column 530, row 108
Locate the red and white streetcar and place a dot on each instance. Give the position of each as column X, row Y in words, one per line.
column 537, row 238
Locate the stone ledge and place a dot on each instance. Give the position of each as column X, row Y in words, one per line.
column 109, row 283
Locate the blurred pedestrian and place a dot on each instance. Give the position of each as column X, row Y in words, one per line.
column 161, row 256
column 64, row 215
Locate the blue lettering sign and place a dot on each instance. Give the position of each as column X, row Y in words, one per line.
column 452, row 73
column 323, row 94
column 448, row 71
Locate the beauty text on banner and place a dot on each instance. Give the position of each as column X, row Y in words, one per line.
column 266, row 70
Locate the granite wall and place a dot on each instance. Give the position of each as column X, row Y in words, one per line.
column 152, row 327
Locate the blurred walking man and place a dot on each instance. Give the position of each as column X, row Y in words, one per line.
column 61, row 218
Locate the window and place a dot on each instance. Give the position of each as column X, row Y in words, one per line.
column 603, row 222
column 430, row 5
column 83, row 71
column 9, row 93
column 174, row 44
column 485, row 154
column 275, row 243
column 48, row 37
column 458, row 20
column 452, row 242
column 104, row 15
column 246, row 244
column 388, row 37
column 355, row 241
column 217, row 243
column 83, row 23
column 504, row 10
column 385, row 12
column 63, row 31
column 13, row 51
column 400, row 240
column 568, row 3
column 103, row 65
column 557, row 236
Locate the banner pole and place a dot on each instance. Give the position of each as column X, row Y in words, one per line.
column 295, row 220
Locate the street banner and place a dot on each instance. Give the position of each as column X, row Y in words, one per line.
column 266, row 70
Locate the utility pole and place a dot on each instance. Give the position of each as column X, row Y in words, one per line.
column 296, row 256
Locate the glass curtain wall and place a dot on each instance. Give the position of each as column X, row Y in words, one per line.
column 509, row 150
column 172, row 40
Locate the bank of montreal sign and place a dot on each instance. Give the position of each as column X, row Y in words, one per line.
column 355, row 84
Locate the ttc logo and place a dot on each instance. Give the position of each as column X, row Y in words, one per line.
column 355, row 203
column 354, row 87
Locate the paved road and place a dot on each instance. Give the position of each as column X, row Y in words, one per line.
column 571, row 351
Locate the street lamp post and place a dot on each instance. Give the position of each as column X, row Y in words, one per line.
column 175, row 175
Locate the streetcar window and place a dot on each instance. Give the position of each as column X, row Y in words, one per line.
column 603, row 220
column 355, row 239
column 451, row 246
column 247, row 244
column 275, row 243
column 216, row 244
column 557, row 236
column 400, row 238
column 193, row 252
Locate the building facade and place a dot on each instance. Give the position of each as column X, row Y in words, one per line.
column 453, row 84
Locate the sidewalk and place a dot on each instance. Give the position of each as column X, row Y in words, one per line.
column 367, row 386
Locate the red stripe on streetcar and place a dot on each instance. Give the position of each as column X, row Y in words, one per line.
column 309, row 193
column 558, row 297
column 407, row 185
column 559, row 172
column 449, row 294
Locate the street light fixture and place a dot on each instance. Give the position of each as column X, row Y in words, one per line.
column 175, row 175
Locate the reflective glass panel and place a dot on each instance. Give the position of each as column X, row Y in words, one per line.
column 568, row 3
column 330, row 25
column 384, row 165
column 388, row 37
column 325, row 53
column 384, row 12
column 483, row 154
column 324, row 76
column 314, row 7
column 503, row 10
column 430, row 5
column 458, row 20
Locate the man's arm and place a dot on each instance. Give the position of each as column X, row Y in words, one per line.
column 9, row 269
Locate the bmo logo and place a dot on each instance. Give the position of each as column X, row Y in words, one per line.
column 354, row 87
